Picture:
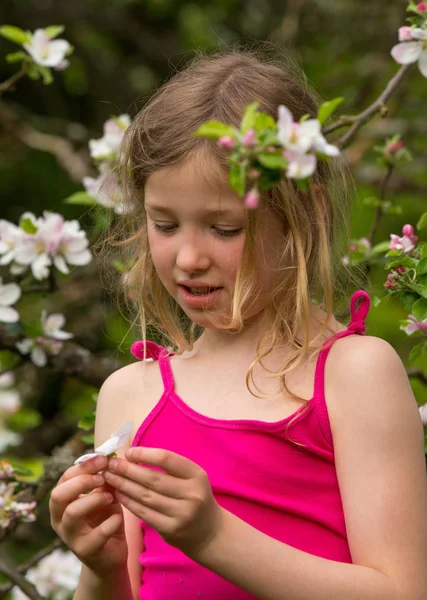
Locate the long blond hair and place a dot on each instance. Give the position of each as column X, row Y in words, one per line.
column 316, row 225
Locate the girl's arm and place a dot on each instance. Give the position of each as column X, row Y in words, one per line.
column 379, row 455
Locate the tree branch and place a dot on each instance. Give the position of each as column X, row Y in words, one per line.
column 26, row 586
column 359, row 120
column 8, row 85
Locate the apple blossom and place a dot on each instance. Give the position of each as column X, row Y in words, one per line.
column 423, row 413
column 300, row 165
column 105, row 189
column 8, row 438
column 406, row 242
column 45, row 51
column 108, row 448
column 249, row 138
column 296, row 136
column 252, row 199
column 50, row 240
column 408, row 52
column 109, row 144
column 55, row 576
column 412, row 324
column 10, row 508
column 51, row 344
column 9, row 294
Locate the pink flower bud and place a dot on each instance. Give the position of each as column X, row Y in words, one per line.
column 353, row 247
column 254, row 174
column 400, row 269
column 408, row 230
column 225, row 141
column 393, row 147
column 422, row 7
column 252, row 199
column 249, row 139
column 405, row 34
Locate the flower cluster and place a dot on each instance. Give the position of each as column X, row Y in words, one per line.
column 406, row 242
column 358, row 250
column 56, row 576
column 105, row 189
column 393, row 152
column 413, row 39
column 263, row 148
column 43, row 52
column 41, row 242
column 49, row 342
column 9, row 404
column 10, row 507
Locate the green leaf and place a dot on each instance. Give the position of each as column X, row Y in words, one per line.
column 327, row 108
column 25, row 418
column 273, row 160
column 46, row 73
column 54, row 30
column 28, row 226
column 405, row 261
column 419, row 288
column 264, row 121
column 87, row 421
column 237, row 178
column 119, row 266
column 376, row 301
column 422, row 267
column 407, row 299
column 249, row 117
column 33, row 72
column 19, row 470
column 15, row 34
column 417, row 351
column 89, row 439
column 214, row 130
column 422, row 221
column 16, row 57
column 379, row 248
column 419, row 309
column 81, row 198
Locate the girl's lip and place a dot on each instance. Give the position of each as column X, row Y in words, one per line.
column 204, row 301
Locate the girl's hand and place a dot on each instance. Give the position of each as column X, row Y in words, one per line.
column 91, row 524
column 178, row 504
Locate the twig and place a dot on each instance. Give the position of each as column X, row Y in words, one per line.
column 7, row 85
column 357, row 121
column 62, row 149
column 26, row 586
column 73, row 360
column 34, row 560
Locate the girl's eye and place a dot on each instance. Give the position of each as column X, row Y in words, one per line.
column 222, row 232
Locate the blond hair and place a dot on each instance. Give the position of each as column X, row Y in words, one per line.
column 316, row 225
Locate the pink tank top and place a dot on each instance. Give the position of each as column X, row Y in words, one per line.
column 288, row 492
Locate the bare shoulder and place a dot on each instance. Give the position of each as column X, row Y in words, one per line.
column 365, row 376
column 125, row 396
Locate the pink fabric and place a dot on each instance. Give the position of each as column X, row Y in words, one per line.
column 288, row 492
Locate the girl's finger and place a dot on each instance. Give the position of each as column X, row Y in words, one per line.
column 80, row 508
column 94, row 465
column 98, row 537
column 141, row 494
column 62, row 495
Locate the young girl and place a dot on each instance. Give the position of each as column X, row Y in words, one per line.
column 276, row 453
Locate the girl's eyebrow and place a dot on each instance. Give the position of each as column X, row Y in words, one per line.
column 213, row 212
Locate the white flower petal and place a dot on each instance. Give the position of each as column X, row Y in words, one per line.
column 111, row 445
column 79, row 258
column 25, row 345
column 7, row 379
column 8, row 315
column 61, row 265
column 38, row 356
column 407, row 52
column 9, row 294
column 85, row 457
column 419, row 34
column 422, row 63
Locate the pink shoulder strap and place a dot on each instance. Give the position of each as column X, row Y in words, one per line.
column 156, row 352
column 357, row 325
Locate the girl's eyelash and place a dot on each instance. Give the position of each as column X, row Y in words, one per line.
column 222, row 232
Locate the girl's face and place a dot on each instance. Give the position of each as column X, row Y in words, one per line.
column 196, row 236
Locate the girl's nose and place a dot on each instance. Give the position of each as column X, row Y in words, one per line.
column 192, row 254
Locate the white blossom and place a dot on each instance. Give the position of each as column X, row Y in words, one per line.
column 9, row 396
column 8, row 438
column 109, row 144
column 47, row 52
column 56, row 576
column 9, row 294
column 49, row 343
column 414, row 50
column 115, row 441
column 54, row 241
column 105, row 189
